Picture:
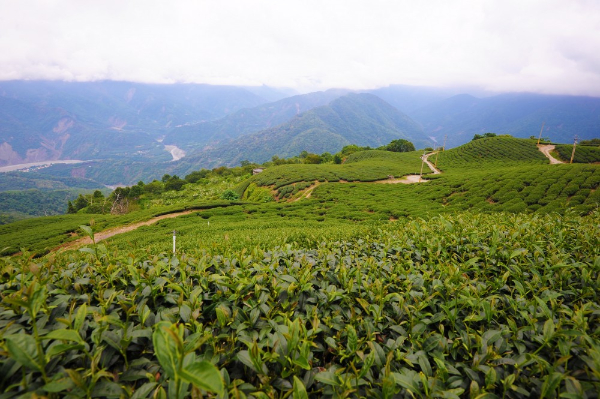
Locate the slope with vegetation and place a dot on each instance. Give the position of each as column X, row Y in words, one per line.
column 484, row 285
column 360, row 119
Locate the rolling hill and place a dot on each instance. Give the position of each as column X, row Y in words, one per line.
column 248, row 120
column 361, row 119
column 480, row 281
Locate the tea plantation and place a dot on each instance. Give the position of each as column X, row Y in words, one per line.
column 480, row 283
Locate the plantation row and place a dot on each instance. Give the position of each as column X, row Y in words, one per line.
column 583, row 154
column 459, row 306
column 377, row 166
column 541, row 189
column 491, row 152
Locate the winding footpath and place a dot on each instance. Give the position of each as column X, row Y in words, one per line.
column 435, row 170
column 545, row 149
column 103, row 235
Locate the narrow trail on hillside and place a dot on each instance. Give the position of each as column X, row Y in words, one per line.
column 435, row 170
column 545, row 149
column 103, row 235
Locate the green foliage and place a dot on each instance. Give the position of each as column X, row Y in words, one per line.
column 461, row 305
column 400, row 145
column 230, row 195
column 592, row 142
column 491, row 153
column 485, row 135
column 583, row 154
column 376, row 165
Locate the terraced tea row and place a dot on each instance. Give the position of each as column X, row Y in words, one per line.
column 453, row 306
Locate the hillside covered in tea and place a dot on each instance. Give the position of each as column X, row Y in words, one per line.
column 371, row 277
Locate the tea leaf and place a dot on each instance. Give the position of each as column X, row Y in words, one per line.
column 203, row 375
column 22, row 348
column 299, row 389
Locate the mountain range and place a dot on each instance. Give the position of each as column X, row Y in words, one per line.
column 356, row 118
column 128, row 129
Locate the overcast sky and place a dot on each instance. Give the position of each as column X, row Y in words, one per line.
column 549, row 46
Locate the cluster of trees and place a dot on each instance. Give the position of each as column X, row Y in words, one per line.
column 481, row 136
column 91, row 203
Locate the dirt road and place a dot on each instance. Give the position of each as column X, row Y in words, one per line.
column 545, row 149
column 103, row 235
column 435, row 170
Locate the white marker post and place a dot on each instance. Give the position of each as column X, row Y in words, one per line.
column 174, row 237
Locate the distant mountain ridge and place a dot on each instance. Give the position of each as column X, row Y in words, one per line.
column 519, row 114
column 248, row 120
column 362, row 119
column 44, row 120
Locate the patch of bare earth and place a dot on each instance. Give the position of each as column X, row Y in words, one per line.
column 103, row 235
column 545, row 149
column 431, row 166
column 409, row 179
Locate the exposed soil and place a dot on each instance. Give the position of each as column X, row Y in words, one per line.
column 545, row 149
column 435, row 170
column 408, row 179
column 103, row 235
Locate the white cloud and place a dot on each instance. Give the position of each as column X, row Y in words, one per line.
column 537, row 45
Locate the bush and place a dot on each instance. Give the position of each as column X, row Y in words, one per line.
column 230, row 195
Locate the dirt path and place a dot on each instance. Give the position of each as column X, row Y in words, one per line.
column 435, row 170
column 545, row 149
column 103, row 235
column 408, row 179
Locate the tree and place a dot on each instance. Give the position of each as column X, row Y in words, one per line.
column 174, row 183
column 80, row 202
column 197, row 175
column 313, row 159
column 400, row 145
column 337, row 159
column 71, row 208
column 479, row 136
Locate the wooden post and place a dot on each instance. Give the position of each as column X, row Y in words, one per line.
column 422, row 163
column 574, row 145
column 541, row 130
column 444, row 147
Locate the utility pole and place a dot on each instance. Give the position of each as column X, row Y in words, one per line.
column 422, row 163
column 574, row 145
column 541, row 130
column 444, row 147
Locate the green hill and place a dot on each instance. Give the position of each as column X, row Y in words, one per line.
column 248, row 120
column 491, row 152
column 361, row 119
column 480, row 282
